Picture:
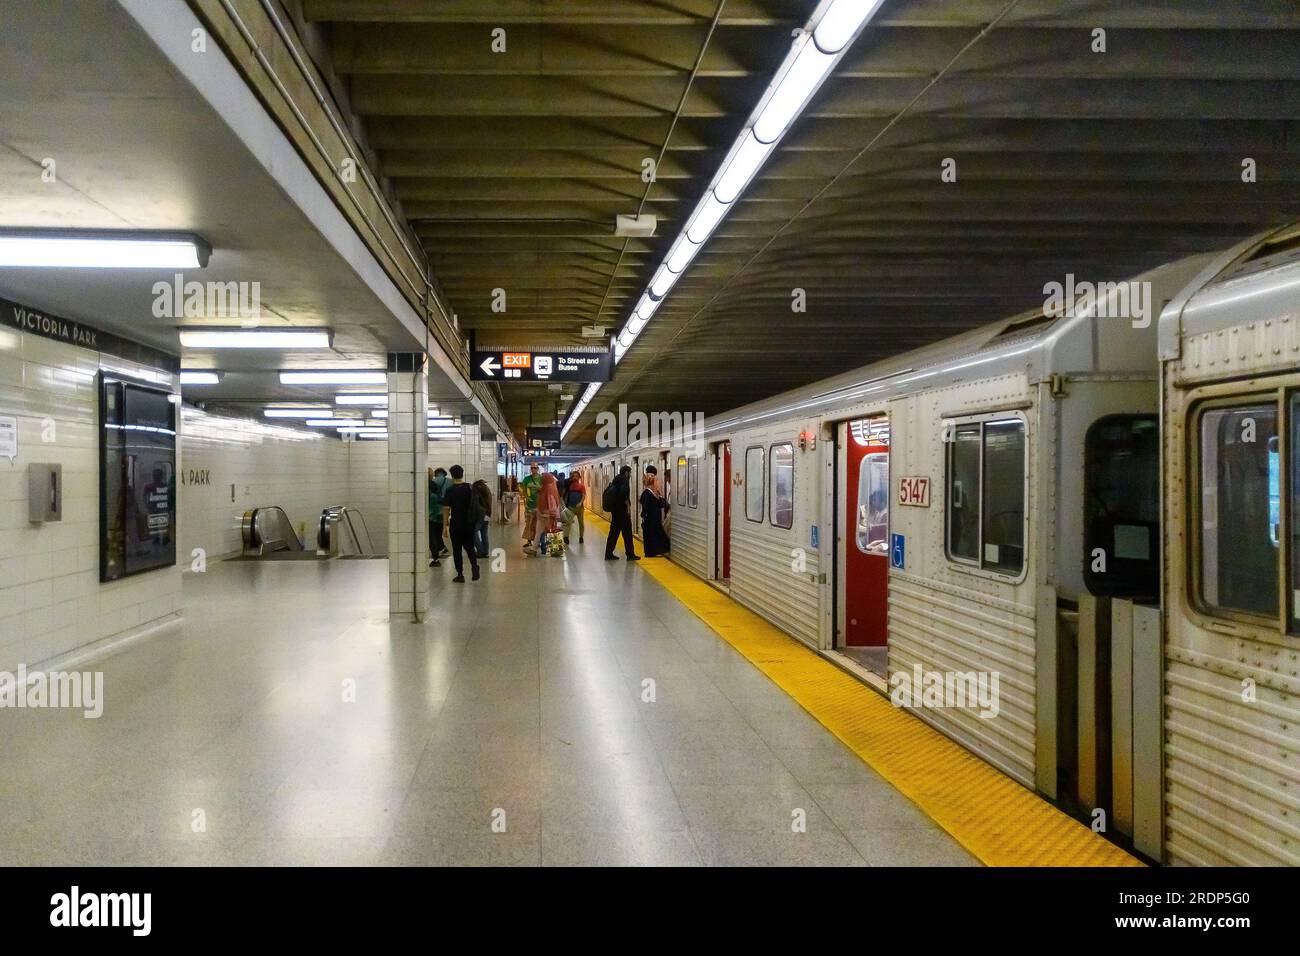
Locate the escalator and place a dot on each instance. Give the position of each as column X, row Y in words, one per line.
column 268, row 535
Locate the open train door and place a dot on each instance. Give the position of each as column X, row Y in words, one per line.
column 722, row 512
column 862, row 545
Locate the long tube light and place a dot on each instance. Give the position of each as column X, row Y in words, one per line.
column 361, row 399
column 297, row 413
column 255, row 338
column 339, row 377
column 94, row 249
column 811, row 58
column 200, row 378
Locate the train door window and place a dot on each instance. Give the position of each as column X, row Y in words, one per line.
column 1275, row 511
column 964, row 493
column 986, row 495
column 1121, row 542
column 754, row 484
column 782, row 485
column 1240, row 508
column 693, row 482
column 681, row 480
column 872, row 535
column 1003, row 531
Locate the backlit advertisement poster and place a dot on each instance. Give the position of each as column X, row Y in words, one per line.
column 137, row 486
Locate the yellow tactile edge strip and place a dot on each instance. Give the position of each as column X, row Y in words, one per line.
column 994, row 817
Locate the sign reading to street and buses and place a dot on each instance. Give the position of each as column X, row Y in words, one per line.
column 567, row 364
column 542, row 438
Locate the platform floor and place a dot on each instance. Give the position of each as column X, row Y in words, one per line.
column 521, row 701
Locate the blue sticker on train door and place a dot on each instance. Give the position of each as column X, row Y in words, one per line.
column 897, row 551
column 816, row 540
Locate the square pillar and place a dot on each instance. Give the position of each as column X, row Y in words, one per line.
column 408, row 488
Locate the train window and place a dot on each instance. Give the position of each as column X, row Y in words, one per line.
column 1003, row 520
column 1240, row 508
column 986, row 495
column 964, row 493
column 693, row 480
column 754, row 484
column 782, row 485
column 1121, row 540
column 1294, row 506
column 872, row 535
column 681, row 480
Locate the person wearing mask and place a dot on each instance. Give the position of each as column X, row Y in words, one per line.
column 484, row 496
column 462, row 516
column 575, row 496
column 618, row 501
column 530, row 486
column 439, row 484
column 653, row 536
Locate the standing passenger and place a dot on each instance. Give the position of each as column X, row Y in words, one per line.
column 530, row 486
column 620, row 516
column 484, row 495
column 575, row 500
column 438, row 487
column 461, row 506
column 653, row 536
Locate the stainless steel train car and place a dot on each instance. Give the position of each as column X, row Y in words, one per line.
column 1065, row 502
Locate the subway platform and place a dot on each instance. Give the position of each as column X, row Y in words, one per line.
column 561, row 711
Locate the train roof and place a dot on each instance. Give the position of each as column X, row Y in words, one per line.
column 1256, row 280
column 1034, row 342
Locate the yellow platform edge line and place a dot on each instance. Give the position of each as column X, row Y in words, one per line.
column 997, row 819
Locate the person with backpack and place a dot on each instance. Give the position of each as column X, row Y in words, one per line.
column 439, row 484
column 463, row 516
column 617, row 500
column 575, row 497
column 484, row 496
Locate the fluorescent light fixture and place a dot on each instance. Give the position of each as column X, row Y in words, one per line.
column 706, row 218
column 647, row 307
column 379, row 413
column 744, row 162
column 200, row 378
column 841, row 23
column 681, row 254
column 360, row 399
column 797, row 84
column 663, row 281
column 812, row 55
column 324, row 422
column 297, row 413
column 255, row 338
column 61, row 249
column 340, row 377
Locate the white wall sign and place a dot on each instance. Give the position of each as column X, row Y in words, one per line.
column 9, row 438
column 914, row 491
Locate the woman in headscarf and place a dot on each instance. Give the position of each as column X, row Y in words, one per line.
column 653, row 535
column 548, row 506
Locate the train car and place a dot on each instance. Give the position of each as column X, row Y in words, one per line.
column 977, row 510
column 1230, row 353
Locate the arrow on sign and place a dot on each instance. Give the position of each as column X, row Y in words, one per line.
column 489, row 364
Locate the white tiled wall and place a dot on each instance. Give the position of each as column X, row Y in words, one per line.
column 51, row 600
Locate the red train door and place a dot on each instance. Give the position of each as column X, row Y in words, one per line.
column 866, row 534
column 722, row 512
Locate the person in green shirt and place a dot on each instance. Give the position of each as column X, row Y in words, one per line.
column 530, row 486
column 439, row 484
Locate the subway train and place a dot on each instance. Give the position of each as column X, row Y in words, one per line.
column 1092, row 501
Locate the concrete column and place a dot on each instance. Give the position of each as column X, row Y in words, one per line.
column 408, row 490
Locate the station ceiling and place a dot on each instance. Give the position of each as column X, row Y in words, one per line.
column 511, row 167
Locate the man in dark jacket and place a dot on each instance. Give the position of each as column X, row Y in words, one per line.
column 620, row 517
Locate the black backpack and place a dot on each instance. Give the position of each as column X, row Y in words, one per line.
column 609, row 499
